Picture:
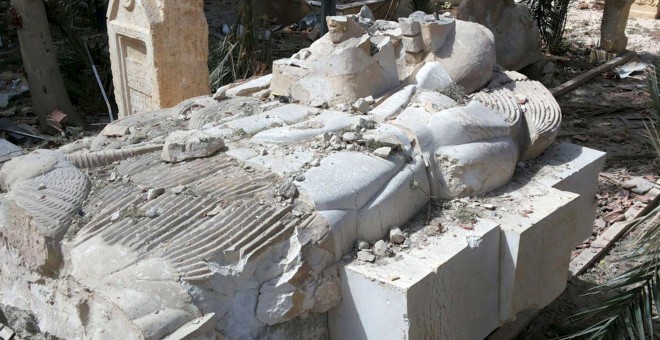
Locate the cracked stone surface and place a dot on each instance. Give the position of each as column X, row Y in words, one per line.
column 246, row 238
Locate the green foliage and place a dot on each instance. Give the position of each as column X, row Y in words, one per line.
column 425, row 6
column 653, row 131
column 550, row 15
column 241, row 54
column 626, row 311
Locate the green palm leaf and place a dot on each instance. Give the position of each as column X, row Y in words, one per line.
column 628, row 311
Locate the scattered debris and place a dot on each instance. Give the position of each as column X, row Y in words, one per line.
column 366, row 256
column 381, row 248
column 383, row 152
column 397, row 236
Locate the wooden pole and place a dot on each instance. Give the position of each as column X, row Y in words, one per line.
column 584, row 77
column 40, row 62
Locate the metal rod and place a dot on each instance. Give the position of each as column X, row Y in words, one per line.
column 98, row 80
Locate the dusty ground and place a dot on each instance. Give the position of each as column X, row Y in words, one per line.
column 607, row 114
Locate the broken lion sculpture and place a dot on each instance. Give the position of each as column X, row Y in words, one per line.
column 228, row 214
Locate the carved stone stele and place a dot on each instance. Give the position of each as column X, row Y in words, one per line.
column 159, row 53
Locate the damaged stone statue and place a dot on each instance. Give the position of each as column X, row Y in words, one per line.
column 227, row 214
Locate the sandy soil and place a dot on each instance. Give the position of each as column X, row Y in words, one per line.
column 607, row 114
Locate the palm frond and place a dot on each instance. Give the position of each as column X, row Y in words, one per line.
column 425, row 6
column 626, row 311
column 550, row 16
column 239, row 54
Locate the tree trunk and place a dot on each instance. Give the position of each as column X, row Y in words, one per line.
column 40, row 63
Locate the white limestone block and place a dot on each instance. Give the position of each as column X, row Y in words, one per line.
column 413, row 44
column 409, row 26
column 183, row 145
column 573, row 168
column 425, row 293
column 536, row 249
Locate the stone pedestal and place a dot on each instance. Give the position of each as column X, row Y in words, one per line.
column 159, row 53
column 613, row 30
column 463, row 284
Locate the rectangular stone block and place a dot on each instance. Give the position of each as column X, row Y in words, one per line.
column 536, row 248
column 413, row 44
column 159, row 53
column 558, row 208
column 446, row 290
column 573, row 168
column 409, row 27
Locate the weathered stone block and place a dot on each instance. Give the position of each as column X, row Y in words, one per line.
column 159, row 53
column 413, row 44
column 183, row 145
column 426, row 293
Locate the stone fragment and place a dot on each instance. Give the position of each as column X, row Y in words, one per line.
column 381, row 249
column 183, row 145
column 366, row 13
column 152, row 213
column 366, row 256
column 341, row 28
column 413, row 44
column 397, row 236
column 154, row 193
column 217, row 210
column 383, row 152
column 363, row 245
column 361, row 106
column 287, row 190
column 351, row 137
column 409, row 27
column 489, row 206
column 153, row 68
column 638, row 185
column 115, row 130
column 178, row 189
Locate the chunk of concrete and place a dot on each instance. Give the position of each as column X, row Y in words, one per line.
column 184, row 145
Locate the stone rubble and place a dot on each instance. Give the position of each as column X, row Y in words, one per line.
column 184, row 145
column 241, row 211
